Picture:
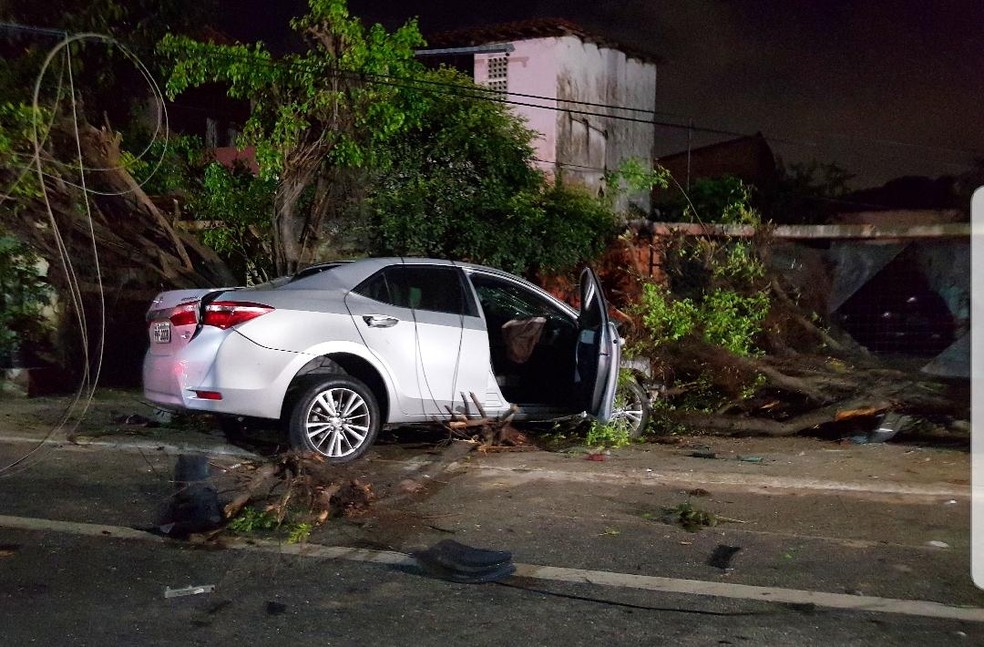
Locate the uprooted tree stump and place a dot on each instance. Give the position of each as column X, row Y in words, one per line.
column 303, row 486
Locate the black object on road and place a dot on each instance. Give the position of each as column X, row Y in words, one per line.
column 194, row 507
column 722, row 556
column 456, row 562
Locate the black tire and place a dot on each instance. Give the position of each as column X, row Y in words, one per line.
column 338, row 436
column 236, row 429
column 632, row 407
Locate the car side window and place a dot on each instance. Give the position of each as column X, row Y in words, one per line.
column 421, row 287
column 377, row 288
column 504, row 300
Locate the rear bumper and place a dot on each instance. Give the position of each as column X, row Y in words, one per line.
column 251, row 379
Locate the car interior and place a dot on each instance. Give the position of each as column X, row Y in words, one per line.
column 532, row 343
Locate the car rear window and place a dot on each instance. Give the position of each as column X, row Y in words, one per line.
column 311, row 271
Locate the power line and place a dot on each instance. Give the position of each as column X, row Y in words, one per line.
column 27, row 29
column 559, row 104
column 478, row 93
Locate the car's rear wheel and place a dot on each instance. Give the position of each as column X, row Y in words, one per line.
column 337, row 417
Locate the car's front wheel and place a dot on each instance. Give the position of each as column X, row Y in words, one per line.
column 337, row 418
column 632, row 408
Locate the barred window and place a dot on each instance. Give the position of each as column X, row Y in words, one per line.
column 498, row 74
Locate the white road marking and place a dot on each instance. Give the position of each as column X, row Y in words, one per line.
column 860, row 603
column 757, row 483
column 760, row 483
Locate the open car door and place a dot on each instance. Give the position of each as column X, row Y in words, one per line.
column 598, row 351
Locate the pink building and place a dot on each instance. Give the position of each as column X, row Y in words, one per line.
column 591, row 100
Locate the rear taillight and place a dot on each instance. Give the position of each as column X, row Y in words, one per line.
column 184, row 315
column 226, row 314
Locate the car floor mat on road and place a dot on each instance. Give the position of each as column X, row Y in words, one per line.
column 456, row 562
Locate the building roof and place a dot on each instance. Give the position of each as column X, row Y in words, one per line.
column 749, row 158
column 530, row 29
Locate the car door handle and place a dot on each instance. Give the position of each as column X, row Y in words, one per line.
column 380, row 321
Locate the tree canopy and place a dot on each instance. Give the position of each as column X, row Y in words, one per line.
column 312, row 111
column 361, row 141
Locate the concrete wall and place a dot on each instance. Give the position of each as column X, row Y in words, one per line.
column 566, row 69
column 532, row 70
column 598, row 142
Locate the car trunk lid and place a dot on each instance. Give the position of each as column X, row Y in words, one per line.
column 174, row 318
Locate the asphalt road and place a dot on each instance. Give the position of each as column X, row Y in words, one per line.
column 82, row 586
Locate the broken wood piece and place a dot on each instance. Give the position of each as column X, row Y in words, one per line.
column 260, row 480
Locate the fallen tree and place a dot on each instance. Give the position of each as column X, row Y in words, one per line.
column 139, row 248
column 733, row 351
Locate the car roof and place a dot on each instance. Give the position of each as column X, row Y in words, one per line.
column 348, row 274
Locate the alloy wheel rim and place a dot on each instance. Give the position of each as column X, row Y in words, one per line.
column 628, row 411
column 337, row 422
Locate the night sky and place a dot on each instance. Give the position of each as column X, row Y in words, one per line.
column 882, row 87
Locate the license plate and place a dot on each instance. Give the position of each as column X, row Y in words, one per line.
column 162, row 332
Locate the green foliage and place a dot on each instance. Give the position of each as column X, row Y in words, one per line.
column 634, row 175
column 738, row 263
column 446, row 192
column 239, row 209
column 601, row 434
column 316, row 100
column 725, row 200
column 18, row 182
column 732, row 320
column 806, row 193
column 690, row 517
column 664, row 318
column 23, row 296
column 312, row 112
column 169, row 167
column 235, row 205
column 577, row 228
column 250, row 521
column 722, row 317
column 299, row 532
column 712, row 307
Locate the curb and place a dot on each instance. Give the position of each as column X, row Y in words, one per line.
column 847, row 602
column 140, row 445
column 757, row 483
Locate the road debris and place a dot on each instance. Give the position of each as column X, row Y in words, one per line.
column 275, row 608
column 289, row 496
column 456, row 562
column 136, row 420
column 703, row 454
column 490, row 433
column 188, row 590
column 722, row 556
column 194, row 507
column 689, row 517
column 937, row 544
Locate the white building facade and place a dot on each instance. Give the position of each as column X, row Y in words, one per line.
column 591, row 101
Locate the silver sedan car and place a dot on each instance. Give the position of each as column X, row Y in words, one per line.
column 340, row 349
